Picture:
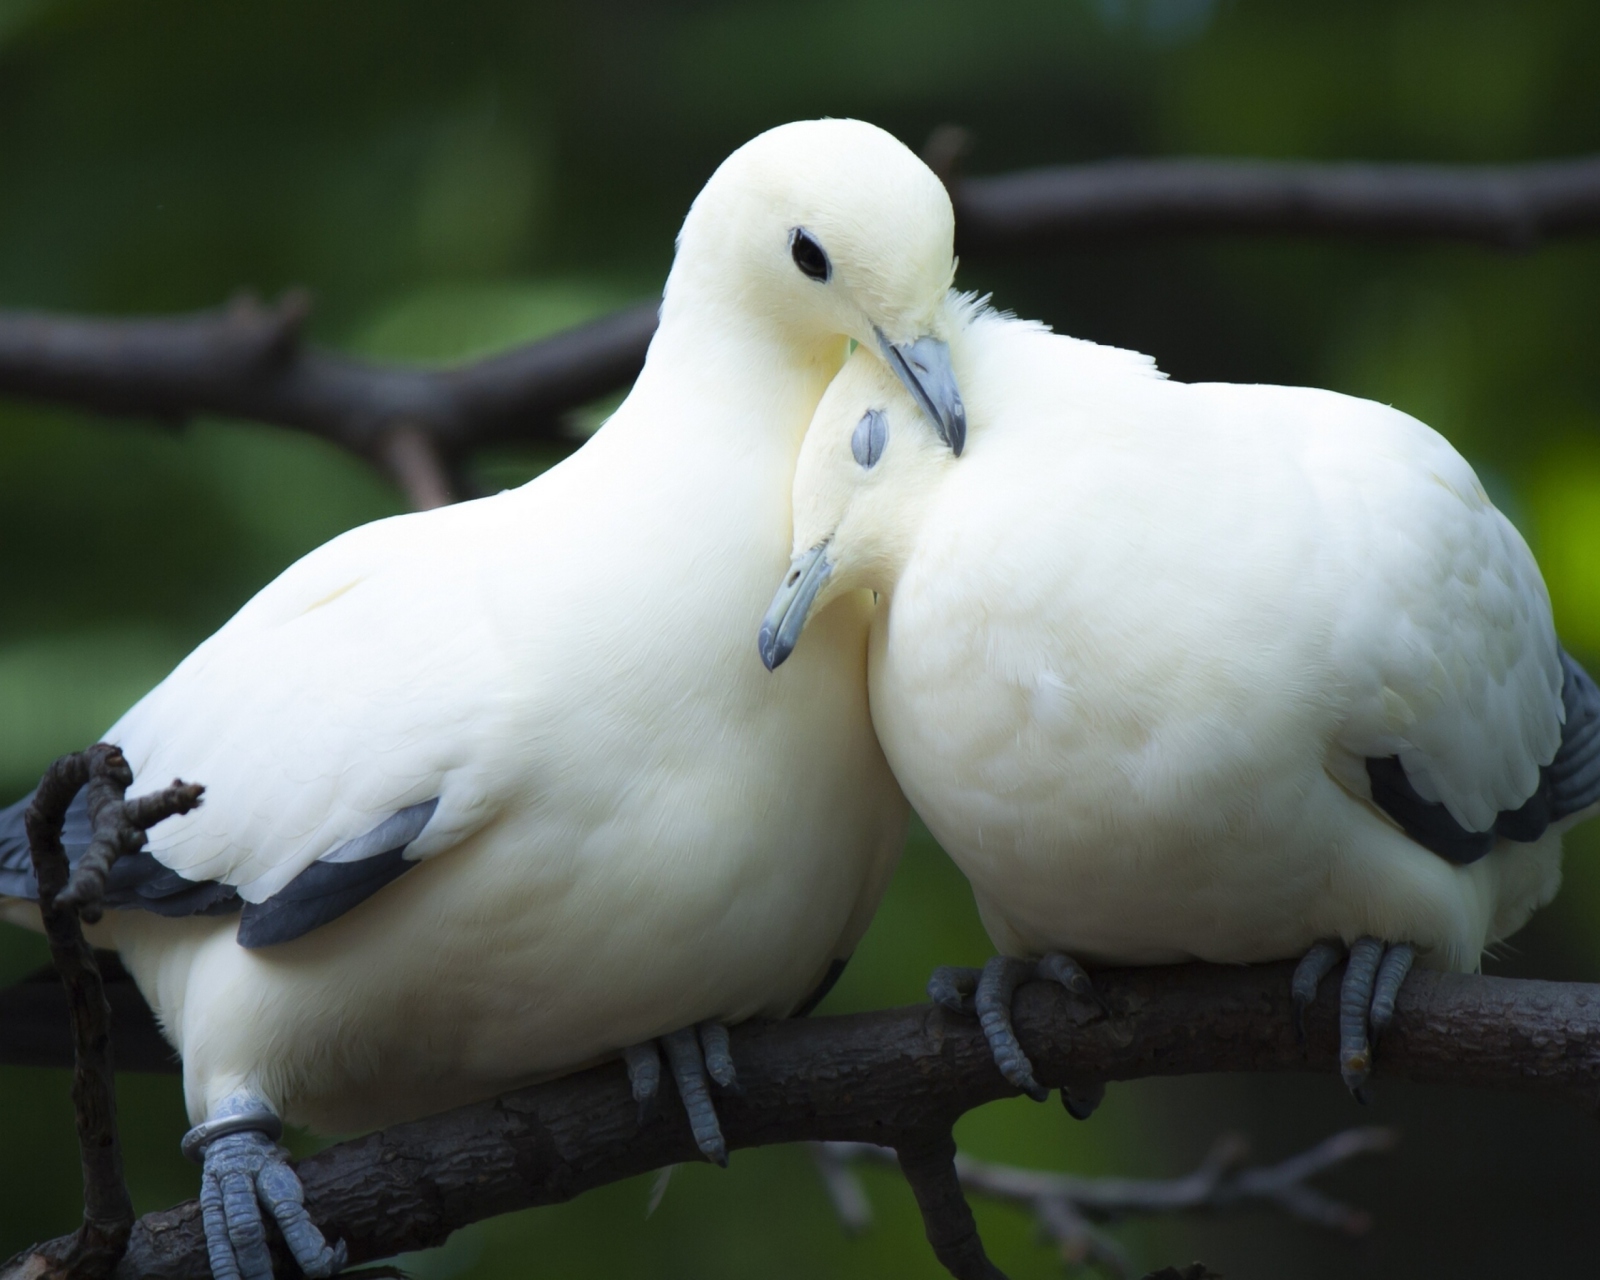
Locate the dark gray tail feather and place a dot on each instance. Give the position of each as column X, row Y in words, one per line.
column 16, row 863
column 139, row 881
column 1574, row 775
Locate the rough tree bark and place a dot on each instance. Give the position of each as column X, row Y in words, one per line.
column 885, row 1077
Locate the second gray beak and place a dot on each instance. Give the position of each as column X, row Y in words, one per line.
column 786, row 616
column 924, row 367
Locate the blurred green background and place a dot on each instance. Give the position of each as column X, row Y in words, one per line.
column 453, row 178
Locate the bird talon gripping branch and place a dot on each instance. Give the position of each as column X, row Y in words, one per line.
column 694, row 1069
column 644, row 1078
column 243, row 1170
column 987, row 993
column 953, row 987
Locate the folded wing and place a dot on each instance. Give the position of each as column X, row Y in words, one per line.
column 339, row 723
column 1459, row 691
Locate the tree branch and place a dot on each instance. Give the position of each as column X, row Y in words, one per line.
column 881, row 1077
column 65, row 893
column 248, row 360
column 1505, row 207
column 928, row 1161
column 1065, row 1206
column 409, row 454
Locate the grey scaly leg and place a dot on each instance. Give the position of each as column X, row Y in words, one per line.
column 719, row 1057
column 644, row 1078
column 1355, row 1000
column 1372, row 981
column 996, row 987
column 1056, row 967
column 243, row 1169
column 1080, row 1098
column 1314, row 966
column 689, row 1070
column 1391, row 973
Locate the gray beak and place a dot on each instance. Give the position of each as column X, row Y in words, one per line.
column 924, row 366
column 786, row 616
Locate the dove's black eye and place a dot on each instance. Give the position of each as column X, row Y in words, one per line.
column 808, row 255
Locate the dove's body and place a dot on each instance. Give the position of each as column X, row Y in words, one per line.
column 1143, row 640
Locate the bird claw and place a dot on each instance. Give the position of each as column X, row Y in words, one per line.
column 1081, row 1100
column 1397, row 962
column 1314, row 966
column 1002, row 975
column 698, row 1056
column 988, row 993
column 1067, row 972
column 952, row 987
column 1372, row 981
column 242, row 1173
column 718, row 1056
column 644, row 1078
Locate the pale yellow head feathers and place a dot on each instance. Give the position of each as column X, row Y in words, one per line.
column 826, row 228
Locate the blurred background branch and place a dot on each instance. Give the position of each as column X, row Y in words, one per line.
column 1511, row 207
column 247, row 360
column 1068, row 1207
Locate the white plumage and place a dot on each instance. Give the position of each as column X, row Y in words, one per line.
column 1142, row 639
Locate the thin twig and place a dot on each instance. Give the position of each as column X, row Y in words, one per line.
column 118, row 827
column 94, row 1249
column 1065, row 1206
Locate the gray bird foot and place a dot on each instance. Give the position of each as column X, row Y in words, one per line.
column 987, row 993
column 699, row 1057
column 243, row 1170
column 1372, row 981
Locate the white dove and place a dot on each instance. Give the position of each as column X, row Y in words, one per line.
column 1215, row 672
column 499, row 790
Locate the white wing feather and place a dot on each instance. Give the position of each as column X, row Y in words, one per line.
column 342, row 692
column 1445, row 638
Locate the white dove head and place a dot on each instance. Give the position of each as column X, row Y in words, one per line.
column 868, row 467
column 826, row 230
